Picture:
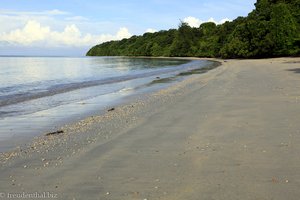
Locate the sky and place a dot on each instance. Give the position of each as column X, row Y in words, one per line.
column 71, row 27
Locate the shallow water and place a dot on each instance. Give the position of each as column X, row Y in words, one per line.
column 37, row 94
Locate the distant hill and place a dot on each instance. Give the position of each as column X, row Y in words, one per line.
column 272, row 29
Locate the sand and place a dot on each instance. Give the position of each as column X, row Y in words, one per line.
column 232, row 133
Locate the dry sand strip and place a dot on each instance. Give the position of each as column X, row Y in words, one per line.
column 230, row 134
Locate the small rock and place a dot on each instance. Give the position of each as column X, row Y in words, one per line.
column 55, row 132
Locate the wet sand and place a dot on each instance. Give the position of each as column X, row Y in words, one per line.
column 231, row 133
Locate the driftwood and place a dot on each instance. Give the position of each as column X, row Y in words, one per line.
column 112, row 109
column 55, row 133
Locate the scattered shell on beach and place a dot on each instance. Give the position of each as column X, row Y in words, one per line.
column 274, row 180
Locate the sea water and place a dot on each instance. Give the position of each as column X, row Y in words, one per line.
column 39, row 94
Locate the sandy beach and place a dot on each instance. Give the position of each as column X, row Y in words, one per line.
column 229, row 134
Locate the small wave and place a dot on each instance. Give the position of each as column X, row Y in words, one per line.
column 24, row 96
column 126, row 89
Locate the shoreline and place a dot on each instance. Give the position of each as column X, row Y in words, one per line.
column 220, row 131
column 86, row 117
column 20, row 129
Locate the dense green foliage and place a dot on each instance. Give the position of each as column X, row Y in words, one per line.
column 271, row 29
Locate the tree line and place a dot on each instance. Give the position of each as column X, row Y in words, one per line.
column 272, row 29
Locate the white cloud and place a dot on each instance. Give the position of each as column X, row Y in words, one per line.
column 76, row 18
column 56, row 12
column 195, row 22
column 34, row 34
column 31, row 32
column 224, row 20
column 55, row 28
column 123, row 33
column 150, row 30
column 46, row 12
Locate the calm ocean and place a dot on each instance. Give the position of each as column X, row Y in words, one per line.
column 39, row 93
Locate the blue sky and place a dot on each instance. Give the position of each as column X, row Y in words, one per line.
column 70, row 27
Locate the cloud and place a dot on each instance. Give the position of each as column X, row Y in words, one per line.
column 34, row 34
column 55, row 28
column 224, row 20
column 150, row 30
column 192, row 21
column 76, row 18
column 12, row 20
column 46, row 12
column 123, row 33
column 195, row 22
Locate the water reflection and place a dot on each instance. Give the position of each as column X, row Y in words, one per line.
column 52, row 90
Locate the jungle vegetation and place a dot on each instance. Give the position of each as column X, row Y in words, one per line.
column 272, row 29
